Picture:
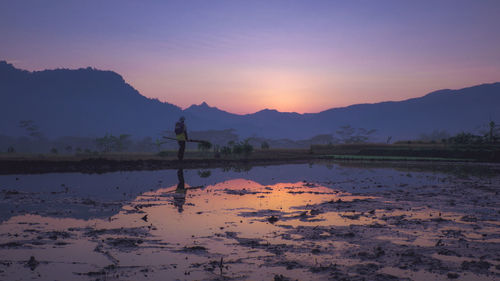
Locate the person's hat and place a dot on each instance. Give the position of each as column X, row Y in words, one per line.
column 182, row 118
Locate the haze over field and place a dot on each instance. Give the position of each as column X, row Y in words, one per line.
column 89, row 102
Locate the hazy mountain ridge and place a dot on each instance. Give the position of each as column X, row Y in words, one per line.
column 82, row 102
column 90, row 102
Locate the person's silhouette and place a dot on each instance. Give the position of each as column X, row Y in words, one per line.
column 181, row 136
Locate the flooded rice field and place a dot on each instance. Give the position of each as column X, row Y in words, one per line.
column 320, row 221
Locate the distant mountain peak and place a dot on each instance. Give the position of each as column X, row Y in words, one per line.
column 274, row 112
column 5, row 66
column 267, row 110
column 202, row 106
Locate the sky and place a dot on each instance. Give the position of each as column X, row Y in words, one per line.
column 245, row 56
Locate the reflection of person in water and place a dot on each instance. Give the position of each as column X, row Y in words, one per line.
column 180, row 192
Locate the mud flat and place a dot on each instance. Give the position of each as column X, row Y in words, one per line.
column 317, row 221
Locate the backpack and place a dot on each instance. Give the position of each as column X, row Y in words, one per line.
column 179, row 128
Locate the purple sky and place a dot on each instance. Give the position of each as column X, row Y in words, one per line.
column 243, row 56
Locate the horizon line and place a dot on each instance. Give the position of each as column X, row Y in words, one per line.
column 241, row 114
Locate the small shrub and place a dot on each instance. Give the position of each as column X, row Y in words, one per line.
column 264, row 145
column 238, row 149
column 243, row 148
column 247, row 148
column 163, row 153
column 225, row 150
column 204, row 146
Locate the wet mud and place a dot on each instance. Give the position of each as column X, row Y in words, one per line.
column 292, row 222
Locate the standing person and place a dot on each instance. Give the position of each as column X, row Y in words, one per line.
column 181, row 136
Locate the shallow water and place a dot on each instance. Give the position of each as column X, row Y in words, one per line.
column 303, row 221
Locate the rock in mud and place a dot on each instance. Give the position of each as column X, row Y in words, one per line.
column 272, row 219
column 315, row 212
column 194, row 249
column 476, row 266
column 281, row 278
column 32, row 263
column 124, row 242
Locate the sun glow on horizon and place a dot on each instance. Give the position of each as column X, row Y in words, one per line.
column 243, row 57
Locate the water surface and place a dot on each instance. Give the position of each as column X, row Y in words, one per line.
column 302, row 221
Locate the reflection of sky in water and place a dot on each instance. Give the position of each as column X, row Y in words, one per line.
column 88, row 213
column 59, row 189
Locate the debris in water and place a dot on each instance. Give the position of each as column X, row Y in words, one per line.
column 272, row 219
column 32, row 263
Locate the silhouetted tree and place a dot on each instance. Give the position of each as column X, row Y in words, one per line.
column 122, row 142
column 494, row 132
column 349, row 134
column 204, row 146
column 247, row 148
column 158, row 144
column 466, row 138
column 323, row 139
column 146, row 144
column 105, row 144
column 264, row 145
column 242, row 148
column 112, row 143
column 435, row 135
column 225, row 150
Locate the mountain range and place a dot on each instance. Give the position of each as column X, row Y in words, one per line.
column 90, row 103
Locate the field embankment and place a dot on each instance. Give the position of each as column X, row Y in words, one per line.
column 412, row 152
column 100, row 163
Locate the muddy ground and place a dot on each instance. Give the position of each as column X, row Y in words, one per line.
column 324, row 221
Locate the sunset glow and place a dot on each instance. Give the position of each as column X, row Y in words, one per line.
column 246, row 56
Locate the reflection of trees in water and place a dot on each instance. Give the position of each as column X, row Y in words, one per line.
column 460, row 170
column 237, row 168
column 204, row 173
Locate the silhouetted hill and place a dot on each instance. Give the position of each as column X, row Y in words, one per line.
column 450, row 110
column 91, row 102
column 86, row 102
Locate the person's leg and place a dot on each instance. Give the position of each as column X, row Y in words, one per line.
column 182, row 147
